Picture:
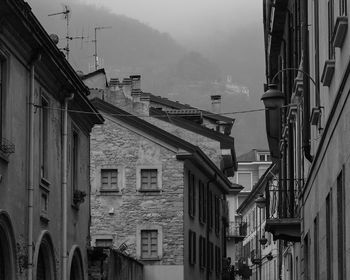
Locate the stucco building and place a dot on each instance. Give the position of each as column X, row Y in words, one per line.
column 44, row 154
column 307, row 46
column 251, row 166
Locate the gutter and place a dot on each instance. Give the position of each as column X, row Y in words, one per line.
column 64, row 188
column 30, row 187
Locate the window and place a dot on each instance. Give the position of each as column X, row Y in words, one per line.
column 149, row 244
column 217, row 260
column 341, row 226
column 2, row 93
column 264, row 157
column 245, row 179
column 202, row 252
column 202, row 202
column 104, row 243
column 316, row 251
column 191, row 195
column 329, row 236
column 74, row 166
column 210, row 210
column 210, row 256
column 217, row 214
column 331, row 50
column 44, row 123
column 149, row 179
column 192, row 249
column 343, row 6
column 109, row 180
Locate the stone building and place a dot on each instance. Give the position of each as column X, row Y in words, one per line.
column 158, row 196
column 306, row 47
column 190, row 225
column 44, row 154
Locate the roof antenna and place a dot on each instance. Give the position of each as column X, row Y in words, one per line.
column 95, row 41
column 66, row 15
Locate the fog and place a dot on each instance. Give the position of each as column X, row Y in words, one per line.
column 154, row 38
column 189, row 20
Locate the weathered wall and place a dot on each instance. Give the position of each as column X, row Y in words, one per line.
column 118, row 215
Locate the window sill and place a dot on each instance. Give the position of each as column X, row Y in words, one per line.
column 328, row 71
column 149, row 191
column 104, row 192
column 150, row 259
column 339, row 33
column 44, row 218
column 45, row 184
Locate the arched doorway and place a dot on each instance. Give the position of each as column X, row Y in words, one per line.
column 7, row 248
column 44, row 258
column 75, row 264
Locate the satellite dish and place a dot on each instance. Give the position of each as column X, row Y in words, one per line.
column 54, row 38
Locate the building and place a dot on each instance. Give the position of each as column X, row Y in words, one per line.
column 157, row 196
column 44, row 154
column 258, row 250
column 251, row 166
column 306, row 46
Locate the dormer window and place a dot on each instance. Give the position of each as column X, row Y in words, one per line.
column 264, row 157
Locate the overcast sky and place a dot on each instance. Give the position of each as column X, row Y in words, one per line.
column 184, row 18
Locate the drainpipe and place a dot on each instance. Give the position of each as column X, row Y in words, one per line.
column 64, row 188
column 35, row 59
column 306, row 83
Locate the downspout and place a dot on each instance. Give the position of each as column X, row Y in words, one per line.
column 35, row 59
column 64, row 188
column 306, row 83
column 208, row 222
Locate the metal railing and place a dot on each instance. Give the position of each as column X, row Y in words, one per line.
column 237, row 229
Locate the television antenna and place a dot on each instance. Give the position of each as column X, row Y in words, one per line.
column 95, row 41
column 66, row 15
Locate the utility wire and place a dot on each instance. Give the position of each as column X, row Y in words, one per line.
column 143, row 116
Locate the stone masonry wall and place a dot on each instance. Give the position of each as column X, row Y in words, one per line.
column 117, row 215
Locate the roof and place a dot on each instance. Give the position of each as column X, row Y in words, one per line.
column 19, row 16
column 177, row 105
column 258, row 188
column 96, row 72
column 250, row 156
column 196, row 153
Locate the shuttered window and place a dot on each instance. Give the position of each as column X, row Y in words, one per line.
column 192, row 249
column 149, row 244
column 109, row 179
column 191, row 195
column 149, row 179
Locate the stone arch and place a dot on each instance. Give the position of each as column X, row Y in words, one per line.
column 44, row 258
column 7, row 248
column 75, row 264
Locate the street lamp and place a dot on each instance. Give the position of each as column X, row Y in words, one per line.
column 273, row 98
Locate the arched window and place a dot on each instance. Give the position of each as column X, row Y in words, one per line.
column 7, row 248
column 75, row 264
column 45, row 258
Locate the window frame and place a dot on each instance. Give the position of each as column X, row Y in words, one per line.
column 202, row 252
column 139, row 177
column 109, row 189
column 191, row 194
column 149, row 227
column 44, row 135
column 149, row 233
column 192, row 247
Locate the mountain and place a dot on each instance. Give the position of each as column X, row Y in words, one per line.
column 188, row 74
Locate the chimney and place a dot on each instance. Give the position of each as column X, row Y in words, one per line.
column 114, row 84
column 127, row 87
column 145, row 101
column 216, row 103
column 135, row 87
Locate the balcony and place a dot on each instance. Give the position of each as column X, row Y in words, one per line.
column 283, row 212
column 236, row 231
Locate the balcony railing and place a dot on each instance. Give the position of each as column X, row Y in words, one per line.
column 237, row 230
